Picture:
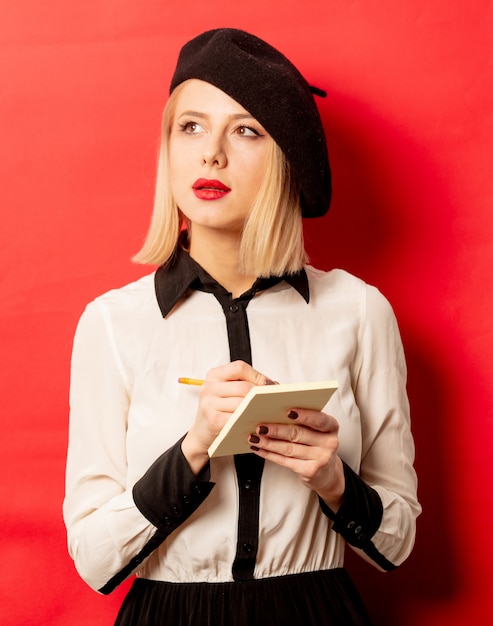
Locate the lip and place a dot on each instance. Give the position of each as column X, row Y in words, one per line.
column 207, row 189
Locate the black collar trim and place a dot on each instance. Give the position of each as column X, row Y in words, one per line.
column 181, row 273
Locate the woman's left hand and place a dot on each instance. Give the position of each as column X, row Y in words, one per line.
column 308, row 447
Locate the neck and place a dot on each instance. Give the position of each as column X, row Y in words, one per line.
column 218, row 254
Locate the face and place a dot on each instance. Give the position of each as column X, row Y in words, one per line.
column 218, row 156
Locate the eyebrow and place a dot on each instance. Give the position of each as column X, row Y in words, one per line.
column 234, row 116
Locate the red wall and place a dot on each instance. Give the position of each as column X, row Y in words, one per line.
column 409, row 120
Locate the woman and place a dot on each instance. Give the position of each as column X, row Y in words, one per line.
column 257, row 538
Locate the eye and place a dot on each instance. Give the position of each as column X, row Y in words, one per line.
column 191, row 127
column 246, row 131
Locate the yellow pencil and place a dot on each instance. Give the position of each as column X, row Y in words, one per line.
column 190, row 381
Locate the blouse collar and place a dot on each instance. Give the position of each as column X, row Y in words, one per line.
column 181, row 273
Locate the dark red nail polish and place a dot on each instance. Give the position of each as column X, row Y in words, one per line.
column 263, row 430
column 292, row 415
column 254, row 448
column 254, row 439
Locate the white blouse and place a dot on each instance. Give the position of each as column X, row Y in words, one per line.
column 127, row 409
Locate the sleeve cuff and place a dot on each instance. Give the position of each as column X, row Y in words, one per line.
column 169, row 492
column 360, row 514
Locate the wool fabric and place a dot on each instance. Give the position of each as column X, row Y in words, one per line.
column 274, row 92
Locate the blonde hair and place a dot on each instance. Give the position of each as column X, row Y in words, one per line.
column 272, row 238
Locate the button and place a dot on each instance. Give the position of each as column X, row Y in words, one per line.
column 350, row 525
column 247, row 547
column 176, row 511
column 248, row 484
column 234, row 308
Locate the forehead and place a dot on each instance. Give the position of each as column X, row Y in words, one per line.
column 198, row 95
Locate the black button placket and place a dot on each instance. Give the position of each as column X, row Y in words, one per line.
column 248, row 466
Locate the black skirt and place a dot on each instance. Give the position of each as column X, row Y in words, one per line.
column 326, row 598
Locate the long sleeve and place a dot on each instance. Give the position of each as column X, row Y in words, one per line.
column 133, row 505
column 380, row 504
column 108, row 535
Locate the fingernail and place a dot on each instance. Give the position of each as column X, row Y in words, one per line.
column 254, row 448
column 263, row 430
column 271, row 382
column 254, row 439
column 292, row 415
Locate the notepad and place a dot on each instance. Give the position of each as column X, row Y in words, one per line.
column 268, row 404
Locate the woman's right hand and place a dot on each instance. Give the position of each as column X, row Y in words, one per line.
column 222, row 391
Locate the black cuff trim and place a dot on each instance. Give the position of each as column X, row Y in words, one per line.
column 359, row 516
column 156, row 540
column 169, row 492
column 166, row 495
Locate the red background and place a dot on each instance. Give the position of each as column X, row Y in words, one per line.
column 409, row 122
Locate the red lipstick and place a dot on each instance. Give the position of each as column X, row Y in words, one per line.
column 206, row 189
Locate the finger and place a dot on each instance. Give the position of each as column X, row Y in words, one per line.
column 216, row 411
column 314, row 419
column 225, row 389
column 237, row 370
column 303, row 459
column 293, row 434
column 272, row 448
column 227, row 404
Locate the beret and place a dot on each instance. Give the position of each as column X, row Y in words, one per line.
column 274, row 92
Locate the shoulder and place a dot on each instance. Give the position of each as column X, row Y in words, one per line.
column 339, row 281
column 134, row 299
column 119, row 320
column 136, row 294
column 339, row 286
column 333, row 279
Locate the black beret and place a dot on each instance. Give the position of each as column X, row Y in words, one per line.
column 274, row 92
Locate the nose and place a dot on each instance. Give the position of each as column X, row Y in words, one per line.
column 214, row 153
